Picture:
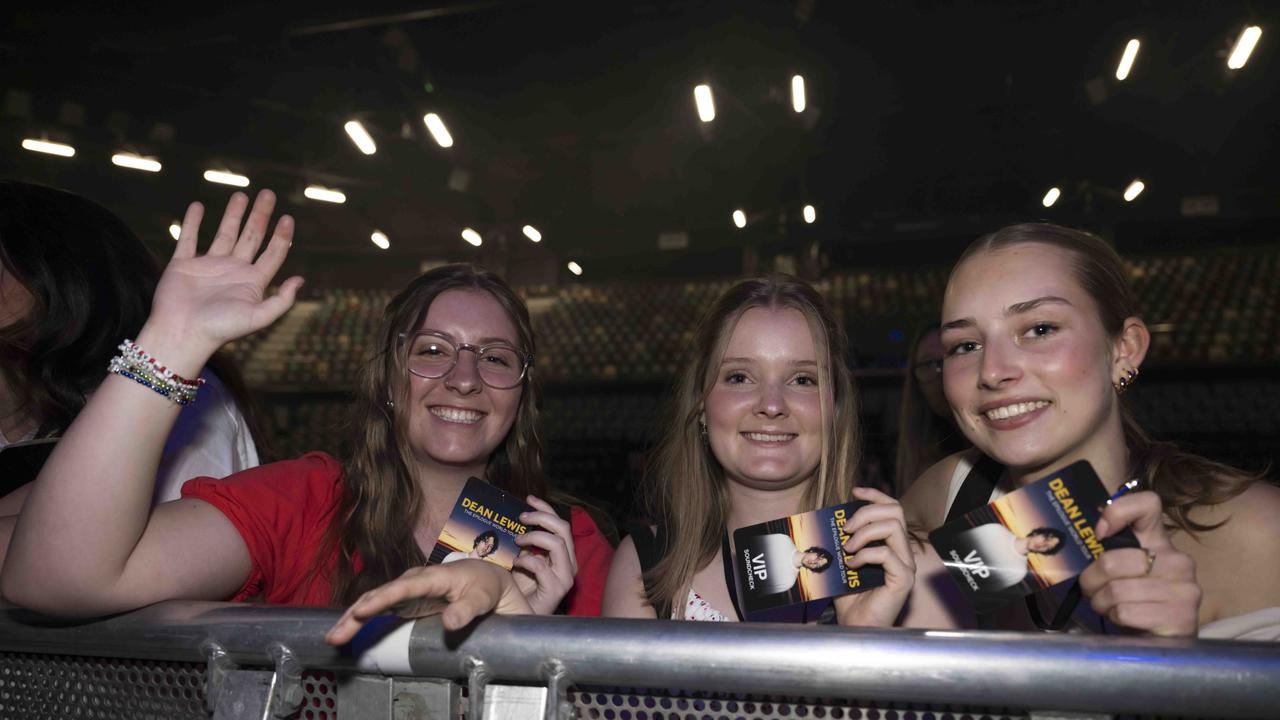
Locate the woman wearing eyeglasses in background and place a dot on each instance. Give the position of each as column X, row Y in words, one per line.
column 926, row 431
column 447, row 397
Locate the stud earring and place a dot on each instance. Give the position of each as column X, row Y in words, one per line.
column 1125, row 380
column 390, row 405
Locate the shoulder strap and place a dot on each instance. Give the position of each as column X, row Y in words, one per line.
column 976, row 488
column 650, row 549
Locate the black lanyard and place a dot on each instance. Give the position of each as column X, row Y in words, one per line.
column 729, row 583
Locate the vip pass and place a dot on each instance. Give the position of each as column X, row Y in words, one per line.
column 134, row 363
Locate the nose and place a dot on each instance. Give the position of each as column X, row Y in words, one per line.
column 999, row 365
column 771, row 402
column 464, row 378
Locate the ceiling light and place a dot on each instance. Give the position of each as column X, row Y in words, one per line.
column 1134, row 190
column 810, row 214
column 380, row 239
column 1126, row 60
column 532, row 233
column 706, row 106
column 323, row 194
column 797, row 93
column 226, row 178
column 136, row 162
column 472, row 236
column 360, row 137
column 1244, row 46
column 574, row 268
column 1051, row 197
column 438, row 130
column 739, row 218
column 175, row 230
column 48, row 148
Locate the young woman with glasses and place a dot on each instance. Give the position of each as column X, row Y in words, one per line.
column 926, row 431
column 447, row 397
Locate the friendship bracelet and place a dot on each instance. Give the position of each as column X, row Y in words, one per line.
column 139, row 366
column 119, row 366
column 165, row 392
column 132, row 351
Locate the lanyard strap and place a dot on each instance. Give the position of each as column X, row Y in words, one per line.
column 726, row 558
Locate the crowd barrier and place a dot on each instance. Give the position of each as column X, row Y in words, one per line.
column 200, row 660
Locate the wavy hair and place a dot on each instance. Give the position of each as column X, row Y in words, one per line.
column 686, row 489
column 381, row 500
column 1181, row 480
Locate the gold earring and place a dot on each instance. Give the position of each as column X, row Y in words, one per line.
column 1125, row 381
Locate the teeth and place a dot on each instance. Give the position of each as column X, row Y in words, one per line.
column 1016, row 409
column 457, row 415
column 767, row 437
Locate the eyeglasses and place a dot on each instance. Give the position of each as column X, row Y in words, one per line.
column 433, row 356
column 928, row 371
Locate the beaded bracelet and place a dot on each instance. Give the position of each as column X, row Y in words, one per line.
column 135, row 364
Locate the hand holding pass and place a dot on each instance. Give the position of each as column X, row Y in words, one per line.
column 204, row 301
column 881, row 520
column 1152, row 588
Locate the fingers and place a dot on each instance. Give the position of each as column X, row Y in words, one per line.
column 187, row 238
column 255, row 228
column 1149, row 590
column 545, row 517
column 224, row 240
column 1142, row 512
column 278, row 248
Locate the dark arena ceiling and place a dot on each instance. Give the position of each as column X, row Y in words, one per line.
column 922, row 119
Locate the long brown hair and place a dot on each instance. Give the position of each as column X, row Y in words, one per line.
column 924, row 438
column 1182, row 480
column 686, row 488
column 381, row 499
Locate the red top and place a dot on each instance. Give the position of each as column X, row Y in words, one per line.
column 282, row 511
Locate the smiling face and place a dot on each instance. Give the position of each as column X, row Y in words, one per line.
column 1028, row 366
column 455, row 422
column 764, row 411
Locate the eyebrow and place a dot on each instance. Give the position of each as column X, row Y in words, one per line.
column 1015, row 309
column 481, row 342
column 728, row 360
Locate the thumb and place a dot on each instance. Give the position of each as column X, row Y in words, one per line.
column 274, row 307
column 1141, row 512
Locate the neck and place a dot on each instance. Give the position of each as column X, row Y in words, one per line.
column 1105, row 450
column 751, row 506
column 440, row 487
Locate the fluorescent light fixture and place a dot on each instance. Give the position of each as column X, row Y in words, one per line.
column 810, row 214
column 472, row 236
column 1051, row 197
column 48, row 148
column 797, row 93
column 323, row 194
column 438, row 131
column 532, row 233
column 226, row 178
column 175, row 230
column 574, row 268
column 1134, row 190
column 739, row 218
column 380, row 239
column 1126, row 60
column 706, row 106
column 360, row 137
column 136, row 162
column 1244, row 47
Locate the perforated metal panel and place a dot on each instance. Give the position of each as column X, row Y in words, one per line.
column 634, row 704
column 320, row 701
column 61, row 686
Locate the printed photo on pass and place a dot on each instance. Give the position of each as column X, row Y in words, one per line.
column 483, row 526
column 1028, row 540
column 797, row 559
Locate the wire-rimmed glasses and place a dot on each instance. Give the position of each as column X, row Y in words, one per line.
column 434, row 355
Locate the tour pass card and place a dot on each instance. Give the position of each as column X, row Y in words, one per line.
column 1028, row 540
column 483, row 525
column 797, row 559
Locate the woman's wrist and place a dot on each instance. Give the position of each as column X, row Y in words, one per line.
column 172, row 347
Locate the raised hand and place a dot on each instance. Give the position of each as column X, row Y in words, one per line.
column 1152, row 588
column 463, row 590
column 881, row 520
column 545, row 577
column 204, row 301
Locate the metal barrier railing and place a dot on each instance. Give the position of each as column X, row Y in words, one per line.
column 238, row 661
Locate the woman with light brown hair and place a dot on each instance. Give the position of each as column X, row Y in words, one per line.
column 926, row 431
column 447, row 395
column 1042, row 336
column 763, row 424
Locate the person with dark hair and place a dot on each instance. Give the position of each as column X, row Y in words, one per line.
column 447, row 395
column 926, row 431
column 485, row 544
column 1042, row 338
column 764, row 423
column 74, row 282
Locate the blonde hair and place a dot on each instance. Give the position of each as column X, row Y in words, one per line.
column 685, row 486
